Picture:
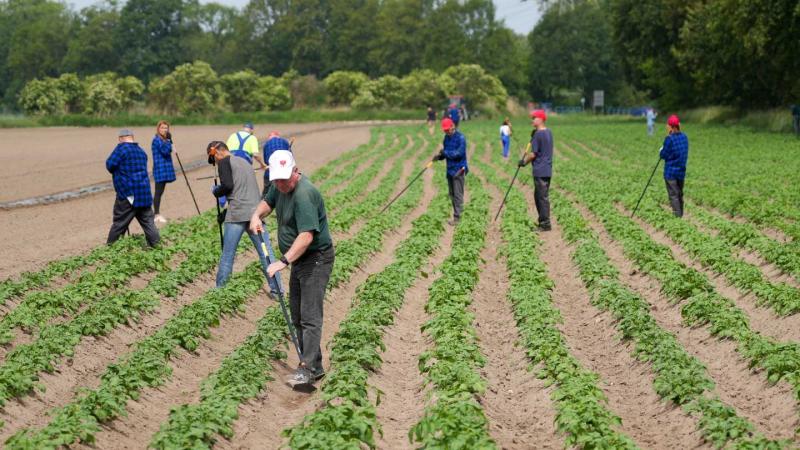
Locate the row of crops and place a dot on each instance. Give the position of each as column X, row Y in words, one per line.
column 49, row 313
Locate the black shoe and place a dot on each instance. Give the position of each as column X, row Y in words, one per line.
column 541, row 228
column 318, row 375
column 301, row 376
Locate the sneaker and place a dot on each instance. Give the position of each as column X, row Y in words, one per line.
column 160, row 219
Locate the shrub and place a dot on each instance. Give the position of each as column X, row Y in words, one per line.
column 366, row 99
column 73, row 89
column 389, row 90
column 42, row 97
column 240, row 90
column 192, row 88
column 343, row 86
column 274, row 93
column 421, row 88
column 475, row 84
column 305, row 90
column 102, row 98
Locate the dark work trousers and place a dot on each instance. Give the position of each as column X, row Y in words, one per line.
column 307, row 284
column 796, row 124
column 541, row 196
column 123, row 216
column 455, row 187
column 157, row 197
column 675, row 193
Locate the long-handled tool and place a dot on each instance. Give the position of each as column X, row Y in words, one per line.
column 646, row 186
column 216, row 183
column 187, row 182
column 284, row 310
column 427, row 166
column 505, row 197
column 214, row 176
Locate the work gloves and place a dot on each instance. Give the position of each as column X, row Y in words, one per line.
column 169, row 136
column 222, row 200
column 439, row 156
column 521, row 162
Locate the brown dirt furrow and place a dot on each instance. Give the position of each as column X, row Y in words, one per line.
column 592, row 338
column 770, row 408
column 365, row 163
column 146, row 414
column 762, row 318
column 278, row 407
column 517, row 403
column 399, row 379
column 94, row 354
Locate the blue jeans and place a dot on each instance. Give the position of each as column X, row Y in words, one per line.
column 506, row 140
column 232, row 236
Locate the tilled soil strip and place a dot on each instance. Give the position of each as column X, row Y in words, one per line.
column 517, row 403
column 94, row 354
column 770, row 408
column 278, row 407
column 145, row 415
column 592, row 339
column 762, row 318
column 366, row 163
column 403, row 398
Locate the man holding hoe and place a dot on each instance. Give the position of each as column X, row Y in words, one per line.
column 454, row 150
column 306, row 244
column 542, row 156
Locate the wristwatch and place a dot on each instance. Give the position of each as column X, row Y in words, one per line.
column 284, row 260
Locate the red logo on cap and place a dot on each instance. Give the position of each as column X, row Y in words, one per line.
column 283, row 162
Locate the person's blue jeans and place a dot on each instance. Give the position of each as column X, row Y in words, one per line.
column 506, row 140
column 232, row 236
column 650, row 128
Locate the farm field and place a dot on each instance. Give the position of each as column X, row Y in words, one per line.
column 606, row 332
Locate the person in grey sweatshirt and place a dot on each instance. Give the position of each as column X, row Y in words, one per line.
column 239, row 187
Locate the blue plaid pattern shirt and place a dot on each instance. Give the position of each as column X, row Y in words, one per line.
column 455, row 151
column 163, row 170
column 128, row 167
column 675, row 153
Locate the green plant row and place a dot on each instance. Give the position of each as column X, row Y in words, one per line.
column 146, row 366
column 784, row 255
column 219, row 403
column 581, row 406
column 711, row 251
column 242, row 375
column 343, row 171
column 37, row 308
column 680, row 378
column 454, row 418
column 358, row 184
column 702, row 304
column 338, row 166
column 716, row 254
column 347, row 418
column 369, row 239
column 345, row 217
column 19, row 372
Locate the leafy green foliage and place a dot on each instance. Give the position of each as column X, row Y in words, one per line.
column 190, row 88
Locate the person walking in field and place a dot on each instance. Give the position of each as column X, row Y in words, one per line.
column 238, row 184
column 274, row 143
column 454, row 114
column 675, row 153
column 127, row 164
column 454, row 150
column 244, row 144
column 307, row 246
column 431, row 119
column 505, row 137
column 541, row 154
column 163, row 170
column 650, row 115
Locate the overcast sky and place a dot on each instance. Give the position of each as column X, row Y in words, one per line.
column 519, row 15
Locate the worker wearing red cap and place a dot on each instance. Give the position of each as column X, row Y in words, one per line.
column 541, row 154
column 454, row 113
column 454, row 150
column 675, row 153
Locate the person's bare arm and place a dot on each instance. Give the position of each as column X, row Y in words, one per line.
column 298, row 248
column 260, row 161
column 262, row 210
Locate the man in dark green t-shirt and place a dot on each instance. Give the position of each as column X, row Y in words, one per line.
column 306, row 244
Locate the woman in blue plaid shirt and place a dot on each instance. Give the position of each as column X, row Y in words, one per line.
column 128, row 167
column 675, row 154
column 163, row 170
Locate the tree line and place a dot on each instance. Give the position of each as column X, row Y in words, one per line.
column 679, row 54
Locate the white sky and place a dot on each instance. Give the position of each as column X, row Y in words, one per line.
column 519, row 15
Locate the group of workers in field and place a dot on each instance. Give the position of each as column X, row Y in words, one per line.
column 303, row 236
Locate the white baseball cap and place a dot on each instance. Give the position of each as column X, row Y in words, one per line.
column 281, row 164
